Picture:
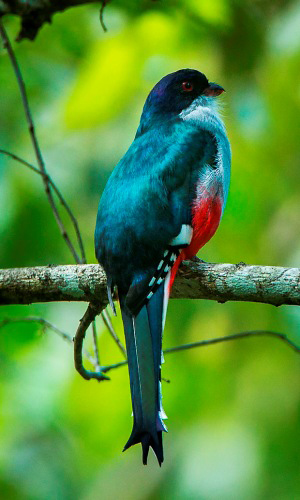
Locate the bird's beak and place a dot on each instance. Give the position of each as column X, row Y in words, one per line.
column 213, row 90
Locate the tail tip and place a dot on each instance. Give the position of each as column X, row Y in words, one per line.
column 147, row 440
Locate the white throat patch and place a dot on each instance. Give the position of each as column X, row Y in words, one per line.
column 203, row 111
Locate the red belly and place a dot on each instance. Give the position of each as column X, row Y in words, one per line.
column 205, row 220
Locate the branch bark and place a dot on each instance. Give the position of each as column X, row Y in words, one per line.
column 195, row 280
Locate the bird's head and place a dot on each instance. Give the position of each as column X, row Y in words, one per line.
column 178, row 93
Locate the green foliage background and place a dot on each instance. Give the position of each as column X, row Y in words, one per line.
column 234, row 408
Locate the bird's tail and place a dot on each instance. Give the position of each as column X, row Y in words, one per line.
column 143, row 334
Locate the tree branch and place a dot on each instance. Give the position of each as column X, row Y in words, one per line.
column 89, row 316
column 195, row 280
column 34, row 13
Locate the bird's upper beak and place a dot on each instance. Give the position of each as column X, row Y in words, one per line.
column 213, row 90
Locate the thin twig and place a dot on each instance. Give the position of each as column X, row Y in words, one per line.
column 107, row 321
column 235, row 336
column 107, row 368
column 95, row 345
column 46, row 324
column 88, row 317
column 101, row 13
column 35, row 144
column 104, row 369
column 59, row 195
column 41, row 321
column 24, row 162
column 204, row 343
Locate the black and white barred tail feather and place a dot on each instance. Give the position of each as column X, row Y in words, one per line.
column 140, row 293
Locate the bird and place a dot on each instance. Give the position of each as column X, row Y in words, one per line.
column 161, row 204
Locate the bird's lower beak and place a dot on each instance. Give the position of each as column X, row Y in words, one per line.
column 213, row 90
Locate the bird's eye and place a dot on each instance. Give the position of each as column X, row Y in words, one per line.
column 187, row 86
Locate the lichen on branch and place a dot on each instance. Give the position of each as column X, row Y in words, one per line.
column 195, row 280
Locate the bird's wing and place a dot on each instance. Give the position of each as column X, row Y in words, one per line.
column 179, row 179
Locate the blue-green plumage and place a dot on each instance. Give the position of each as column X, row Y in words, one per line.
column 145, row 220
column 147, row 198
